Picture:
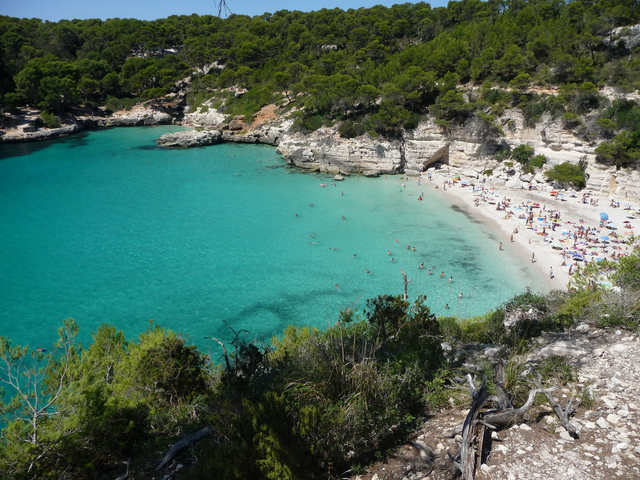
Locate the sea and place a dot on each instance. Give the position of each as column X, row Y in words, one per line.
column 106, row 227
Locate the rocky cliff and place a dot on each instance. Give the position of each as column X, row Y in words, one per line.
column 469, row 147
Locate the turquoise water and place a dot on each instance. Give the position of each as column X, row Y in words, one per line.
column 106, row 227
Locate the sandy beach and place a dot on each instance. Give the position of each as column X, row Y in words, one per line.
column 525, row 219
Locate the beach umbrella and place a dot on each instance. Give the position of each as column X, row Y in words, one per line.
column 604, row 216
column 627, row 205
column 598, row 259
column 604, row 237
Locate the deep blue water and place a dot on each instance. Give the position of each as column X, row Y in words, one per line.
column 106, row 227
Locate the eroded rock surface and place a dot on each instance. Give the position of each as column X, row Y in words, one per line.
column 190, row 138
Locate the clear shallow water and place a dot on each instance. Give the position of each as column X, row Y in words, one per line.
column 106, row 227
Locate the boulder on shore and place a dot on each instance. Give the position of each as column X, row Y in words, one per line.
column 190, row 138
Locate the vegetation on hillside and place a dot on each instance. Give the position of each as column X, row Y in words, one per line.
column 310, row 404
column 378, row 68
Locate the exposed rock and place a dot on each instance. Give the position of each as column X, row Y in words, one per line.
column 325, row 151
column 136, row 118
column 236, row 124
column 190, row 138
column 268, row 135
column 627, row 36
column 211, row 117
column 42, row 134
column 338, row 178
column 520, row 314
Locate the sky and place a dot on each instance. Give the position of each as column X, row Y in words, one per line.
column 56, row 10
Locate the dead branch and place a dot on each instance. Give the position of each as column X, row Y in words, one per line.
column 501, row 419
column 185, row 442
column 406, row 284
column 563, row 414
column 472, row 432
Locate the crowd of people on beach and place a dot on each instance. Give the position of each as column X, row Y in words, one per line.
column 576, row 240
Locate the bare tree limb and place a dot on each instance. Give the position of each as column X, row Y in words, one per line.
column 185, row 442
column 472, row 433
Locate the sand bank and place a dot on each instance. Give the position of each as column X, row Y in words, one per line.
column 554, row 251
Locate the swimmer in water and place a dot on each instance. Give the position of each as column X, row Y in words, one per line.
column 392, row 259
column 441, row 274
column 367, row 270
column 430, row 272
column 446, row 306
column 311, row 204
column 450, row 279
column 388, row 252
column 354, row 254
column 336, row 285
column 313, row 243
column 343, row 217
column 421, row 265
column 296, row 214
column 460, row 296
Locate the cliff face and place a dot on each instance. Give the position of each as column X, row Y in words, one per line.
column 469, row 147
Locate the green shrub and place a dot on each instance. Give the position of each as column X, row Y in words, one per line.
column 538, row 161
column 502, row 152
column 567, row 173
column 522, row 153
column 532, row 113
column 558, row 369
column 571, row 120
column 350, row 129
column 450, row 328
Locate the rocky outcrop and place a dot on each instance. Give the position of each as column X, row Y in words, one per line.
column 42, row 134
column 325, row 151
column 210, row 117
column 190, row 138
column 135, row 119
column 267, row 135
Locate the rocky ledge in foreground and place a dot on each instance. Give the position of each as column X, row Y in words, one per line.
column 190, row 138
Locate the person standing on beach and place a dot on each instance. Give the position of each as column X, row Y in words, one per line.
column 500, row 246
column 550, row 272
column 533, row 257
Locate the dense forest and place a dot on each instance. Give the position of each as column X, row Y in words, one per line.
column 309, row 404
column 375, row 70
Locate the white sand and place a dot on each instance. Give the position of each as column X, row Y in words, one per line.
column 530, row 240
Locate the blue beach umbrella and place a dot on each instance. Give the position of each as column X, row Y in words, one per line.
column 605, row 238
column 604, row 216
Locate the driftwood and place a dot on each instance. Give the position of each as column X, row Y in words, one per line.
column 185, row 442
column 563, row 413
column 472, row 432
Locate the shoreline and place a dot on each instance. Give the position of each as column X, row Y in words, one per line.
column 529, row 239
